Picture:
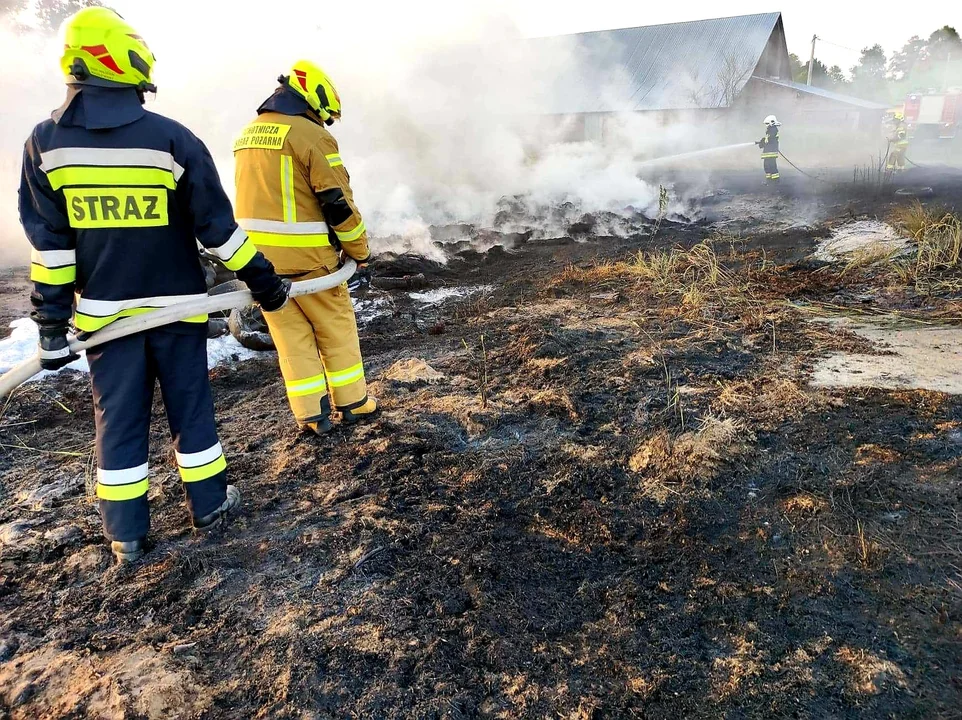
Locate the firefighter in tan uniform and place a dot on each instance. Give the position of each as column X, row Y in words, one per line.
column 295, row 202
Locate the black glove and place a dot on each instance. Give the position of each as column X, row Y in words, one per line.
column 361, row 279
column 275, row 297
column 54, row 350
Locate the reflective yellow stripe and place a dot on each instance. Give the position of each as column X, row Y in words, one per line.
column 765, row 156
column 122, row 492
column 196, row 474
column 241, row 257
column 279, row 240
column 287, row 189
column 346, row 377
column 351, row 235
column 53, row 276
column 334, row 160
column 92, row 323
column 307, row 386
column 111, row 176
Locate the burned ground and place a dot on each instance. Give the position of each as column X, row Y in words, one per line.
column 618, row 497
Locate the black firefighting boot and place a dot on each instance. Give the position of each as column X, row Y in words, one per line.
column 220, row 515
column 364, row 412
column 128, row 551
column 319, row 427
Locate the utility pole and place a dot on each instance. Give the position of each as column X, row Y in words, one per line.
column 811, row 62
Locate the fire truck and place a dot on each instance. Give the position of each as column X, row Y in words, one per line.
column 934, row 115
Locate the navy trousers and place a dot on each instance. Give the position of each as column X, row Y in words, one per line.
column 123, row 373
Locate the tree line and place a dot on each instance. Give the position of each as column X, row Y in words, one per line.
column 932, row 63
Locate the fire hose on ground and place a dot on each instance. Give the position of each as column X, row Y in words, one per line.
column 219, row 302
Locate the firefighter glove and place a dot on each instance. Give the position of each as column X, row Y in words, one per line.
column 275, row 297
column 54, row 350
column 361, row 280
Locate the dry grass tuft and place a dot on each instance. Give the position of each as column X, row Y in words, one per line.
column 769, row 402
column 938, row 237
column 697, row 455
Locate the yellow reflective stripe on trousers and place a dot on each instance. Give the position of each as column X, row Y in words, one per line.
column 111, row 177
column 351, row 235
column 53, row 276
column 268, row 239
column 307, row 386
column 126, row 484
column 765, row 156
column 92, row 323
column 203, row 472
column 346, row 377
column 287, row 189
column 119, row 493
column 334, row 160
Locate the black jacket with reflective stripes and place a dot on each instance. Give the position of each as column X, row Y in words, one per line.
column 769, row 142
column 113, row 200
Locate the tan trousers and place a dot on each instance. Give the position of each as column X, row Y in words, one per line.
column 319, row 351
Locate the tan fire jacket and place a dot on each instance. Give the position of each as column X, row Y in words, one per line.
column 294, row 196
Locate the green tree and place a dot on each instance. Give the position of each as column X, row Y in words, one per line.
column 868, row 77
column 906, row 60
column 838, row 76
column 942, row 44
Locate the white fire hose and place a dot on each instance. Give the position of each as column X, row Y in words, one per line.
column 15, row 377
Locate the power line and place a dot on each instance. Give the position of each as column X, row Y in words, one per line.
column 844, row 47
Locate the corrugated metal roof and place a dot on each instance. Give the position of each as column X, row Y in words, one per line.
column 828, row 94
column 699, row 64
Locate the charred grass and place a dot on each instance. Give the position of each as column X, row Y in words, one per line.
column 620, row 498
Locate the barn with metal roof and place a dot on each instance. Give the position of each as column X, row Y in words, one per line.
column 721, row 66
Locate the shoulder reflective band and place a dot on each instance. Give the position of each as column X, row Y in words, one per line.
column 334, row 160
column 119, row 485
column 116, row 207
column 262, row 136
column 77, row 175
column 110, row 157
column 351, row 235
column 287, row 189
column 202, row 465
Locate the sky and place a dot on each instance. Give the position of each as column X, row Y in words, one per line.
column 850, row 24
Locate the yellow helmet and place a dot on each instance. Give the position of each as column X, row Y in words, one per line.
column 313, row 84
column 899, row 115
column 100, row 48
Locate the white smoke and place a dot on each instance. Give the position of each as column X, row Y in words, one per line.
column 440, row 105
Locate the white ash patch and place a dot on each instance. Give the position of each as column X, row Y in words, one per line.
column 860, row 236
column 439, row 295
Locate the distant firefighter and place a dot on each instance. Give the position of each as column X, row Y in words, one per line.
column 898, row 145
column 769, row 146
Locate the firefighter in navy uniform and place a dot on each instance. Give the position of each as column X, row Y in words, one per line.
column 112, row 198
column 769, row 146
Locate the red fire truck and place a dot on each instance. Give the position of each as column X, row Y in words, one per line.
column 934, row 115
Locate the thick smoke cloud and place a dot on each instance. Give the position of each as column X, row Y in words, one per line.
column 439, row 100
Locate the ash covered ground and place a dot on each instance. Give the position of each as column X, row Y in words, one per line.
column 604, row 486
